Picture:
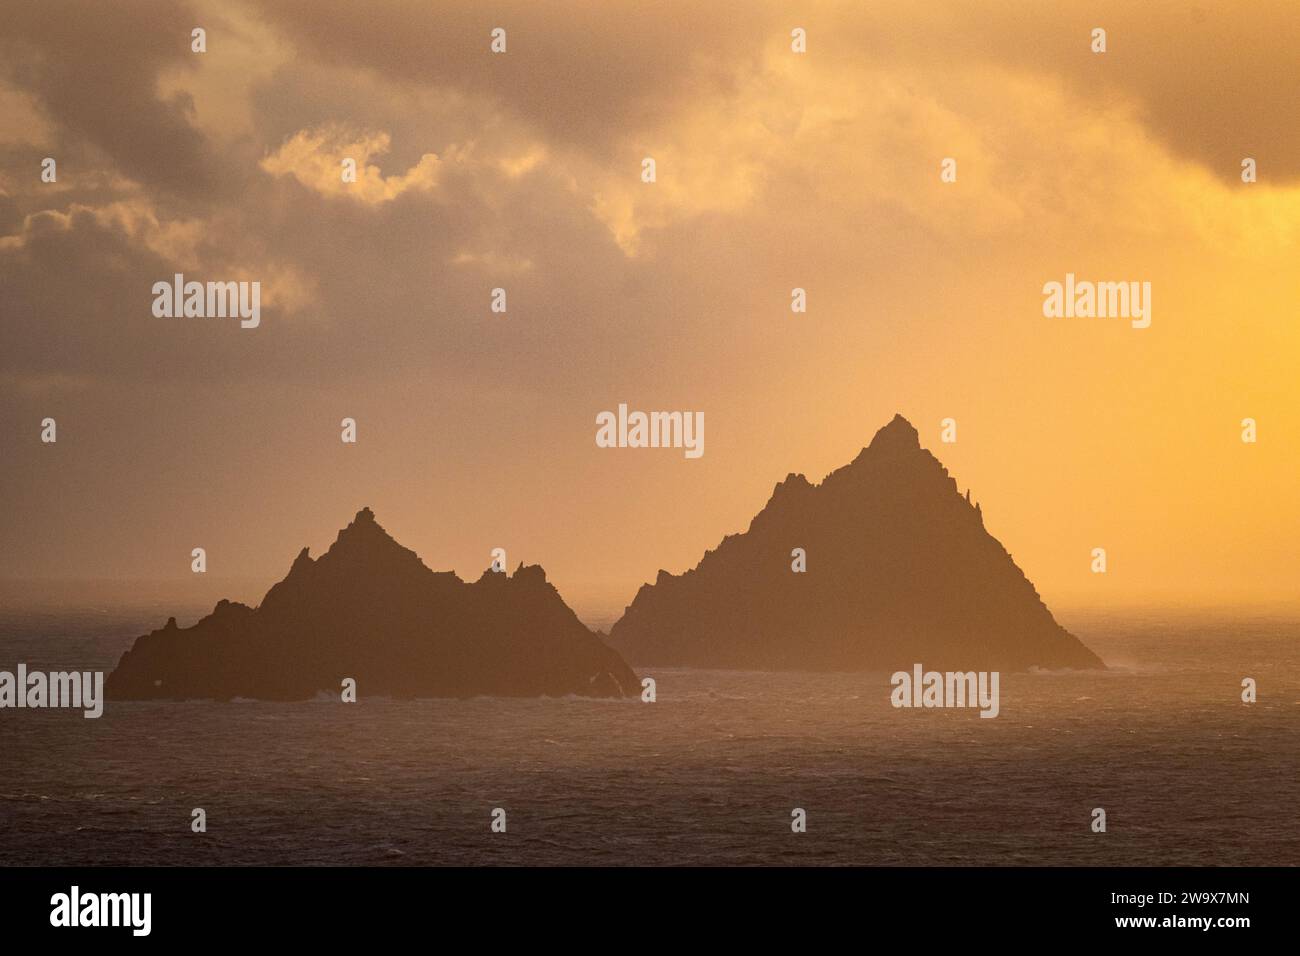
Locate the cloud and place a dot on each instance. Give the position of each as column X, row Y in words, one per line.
column 522, row 171
column 93, row 69
column 315, row 158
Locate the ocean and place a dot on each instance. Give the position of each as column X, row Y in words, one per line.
column 708, row 774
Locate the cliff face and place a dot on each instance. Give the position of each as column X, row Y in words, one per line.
column 369, row 609
column 900, row 570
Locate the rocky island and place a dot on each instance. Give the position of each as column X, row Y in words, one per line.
column 897, row 567
column 370, row 610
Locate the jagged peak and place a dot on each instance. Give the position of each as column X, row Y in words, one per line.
column 362, row 527
column 364, row 541
column 363, row 522
column 898, row 434
column 898, row 439
column 793, row 481
column 529, row 574
column 226, row 607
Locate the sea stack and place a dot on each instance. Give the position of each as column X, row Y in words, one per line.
column 370, row 610
column 899, row 569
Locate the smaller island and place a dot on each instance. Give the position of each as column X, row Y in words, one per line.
column 370, row 610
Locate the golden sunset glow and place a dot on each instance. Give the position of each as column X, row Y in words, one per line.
column 774, row 171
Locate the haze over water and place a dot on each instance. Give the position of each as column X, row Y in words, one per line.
column 708, row 774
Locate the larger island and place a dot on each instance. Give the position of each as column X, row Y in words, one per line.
column 882, row 565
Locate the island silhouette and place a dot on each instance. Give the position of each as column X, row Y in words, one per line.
column 899, row 570
column 881, row 566
column 370, row 610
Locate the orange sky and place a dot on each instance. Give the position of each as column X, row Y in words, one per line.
column 522, row 170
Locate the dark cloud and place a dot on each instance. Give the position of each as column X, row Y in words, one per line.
column 94, row 69
column 10, row 218
column 586, row 74
column 1211, row 82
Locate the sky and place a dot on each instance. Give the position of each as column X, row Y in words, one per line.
column 522, row 170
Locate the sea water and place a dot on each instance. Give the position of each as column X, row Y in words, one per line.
column 710, row 773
